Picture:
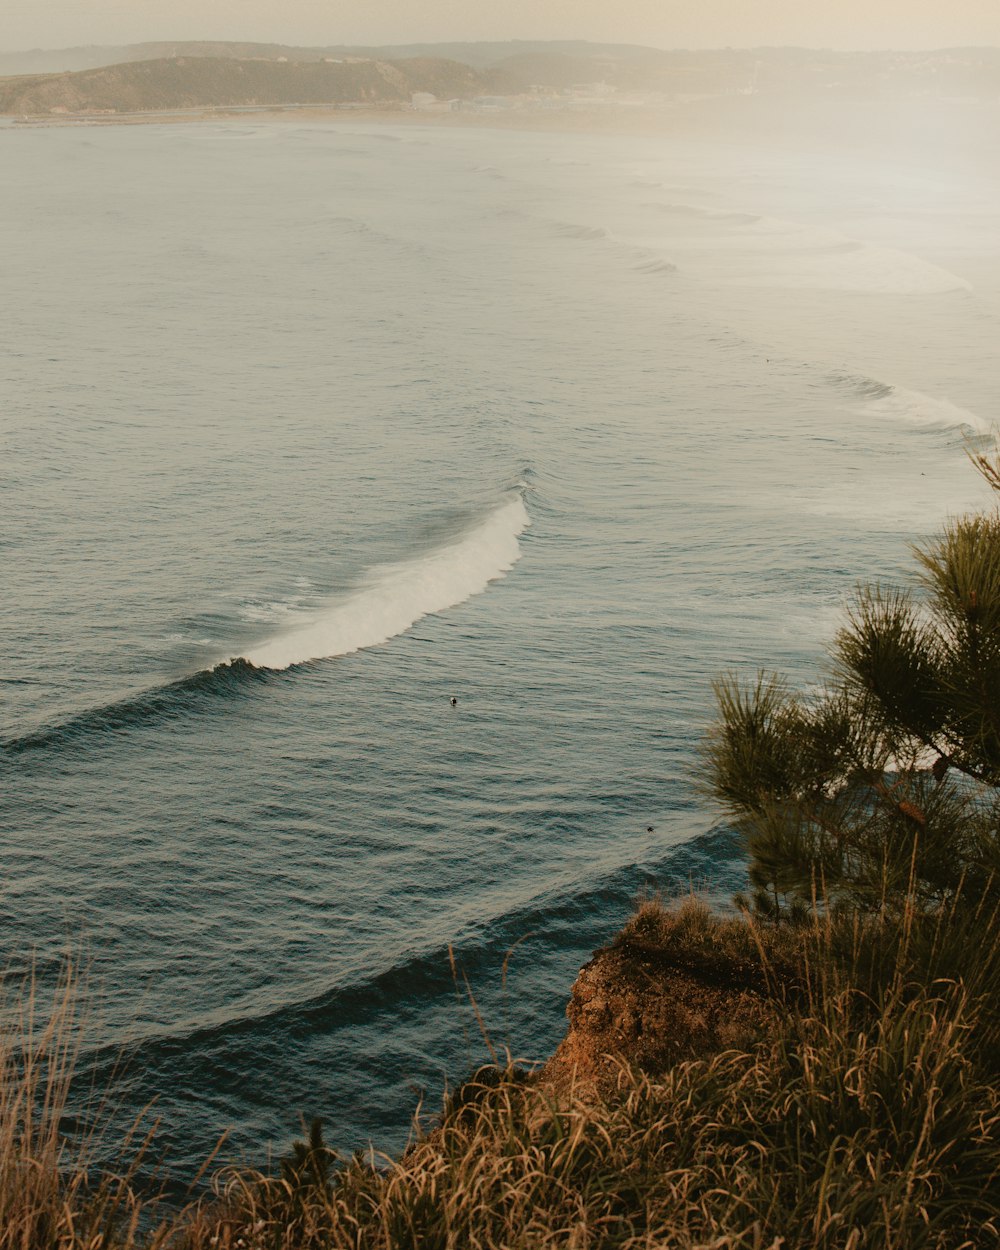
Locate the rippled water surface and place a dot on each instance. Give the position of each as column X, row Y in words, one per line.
column 309, row 429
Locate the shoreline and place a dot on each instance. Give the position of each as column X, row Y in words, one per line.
column 945, row 134
column 565, row 119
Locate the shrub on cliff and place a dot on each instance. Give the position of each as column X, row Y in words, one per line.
column 883, row 792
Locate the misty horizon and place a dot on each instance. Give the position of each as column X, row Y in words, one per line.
column 458, row 42
column 889, row 25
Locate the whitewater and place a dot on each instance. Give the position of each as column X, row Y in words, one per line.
column 395, row 597
column 310, row 429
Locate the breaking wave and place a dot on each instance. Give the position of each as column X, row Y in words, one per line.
column 396, row 596
column 879, row 399
column 777, row 252
column 799, row 256
column 388, row 602
column 641, row 259
column 874, row 270
column 651, row 263
column 190, row 695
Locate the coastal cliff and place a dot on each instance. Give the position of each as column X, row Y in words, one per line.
column 711, row 1091
column 674, row 985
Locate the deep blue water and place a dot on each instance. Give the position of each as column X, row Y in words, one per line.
column 561, row 426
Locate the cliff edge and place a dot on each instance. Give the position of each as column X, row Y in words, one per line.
column 674, row 985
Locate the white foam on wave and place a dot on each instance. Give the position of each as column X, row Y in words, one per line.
column 273, row 610
column 761, row 250
column 879, row 399
column 924, row 410
column 396, row 596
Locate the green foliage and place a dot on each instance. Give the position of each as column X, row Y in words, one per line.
column 311, row 1161
column 884, row 790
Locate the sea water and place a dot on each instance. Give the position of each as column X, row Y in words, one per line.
column 311, row 429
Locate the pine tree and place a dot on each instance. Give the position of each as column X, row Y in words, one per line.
column 884, row 791
column 311, row 1163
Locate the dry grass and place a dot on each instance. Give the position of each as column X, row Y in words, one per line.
column 726, row 951
column 51, row 1194
column 823, row 1137
column 860, row 1118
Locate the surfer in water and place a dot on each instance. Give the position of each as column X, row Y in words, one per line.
column 454, row 701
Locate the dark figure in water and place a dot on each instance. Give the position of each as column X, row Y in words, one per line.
column 454, row 701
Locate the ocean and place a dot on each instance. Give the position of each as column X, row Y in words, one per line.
column 310, row 428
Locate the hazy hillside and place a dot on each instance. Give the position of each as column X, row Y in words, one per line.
column 205, row 74
column 953, row 72
column 192, row 82
column 517, row 65
column 478, row 55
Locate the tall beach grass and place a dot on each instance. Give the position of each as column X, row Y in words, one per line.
column 865, row 1114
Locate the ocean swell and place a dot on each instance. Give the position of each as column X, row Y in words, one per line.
column 566, row 915
column 199, row 692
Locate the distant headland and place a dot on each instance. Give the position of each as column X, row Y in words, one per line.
column 471, row 78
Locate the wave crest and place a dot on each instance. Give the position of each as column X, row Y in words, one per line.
column 879, row 399
column 394, row 598
column 398, row 595
column 567, row 915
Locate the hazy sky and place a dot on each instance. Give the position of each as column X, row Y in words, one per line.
column 663, row 23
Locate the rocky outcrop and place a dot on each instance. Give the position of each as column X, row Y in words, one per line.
column 652, row 1004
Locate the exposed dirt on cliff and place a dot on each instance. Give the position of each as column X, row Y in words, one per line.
column 674, row 986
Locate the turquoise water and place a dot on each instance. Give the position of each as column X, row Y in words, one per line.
column 309, row 429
